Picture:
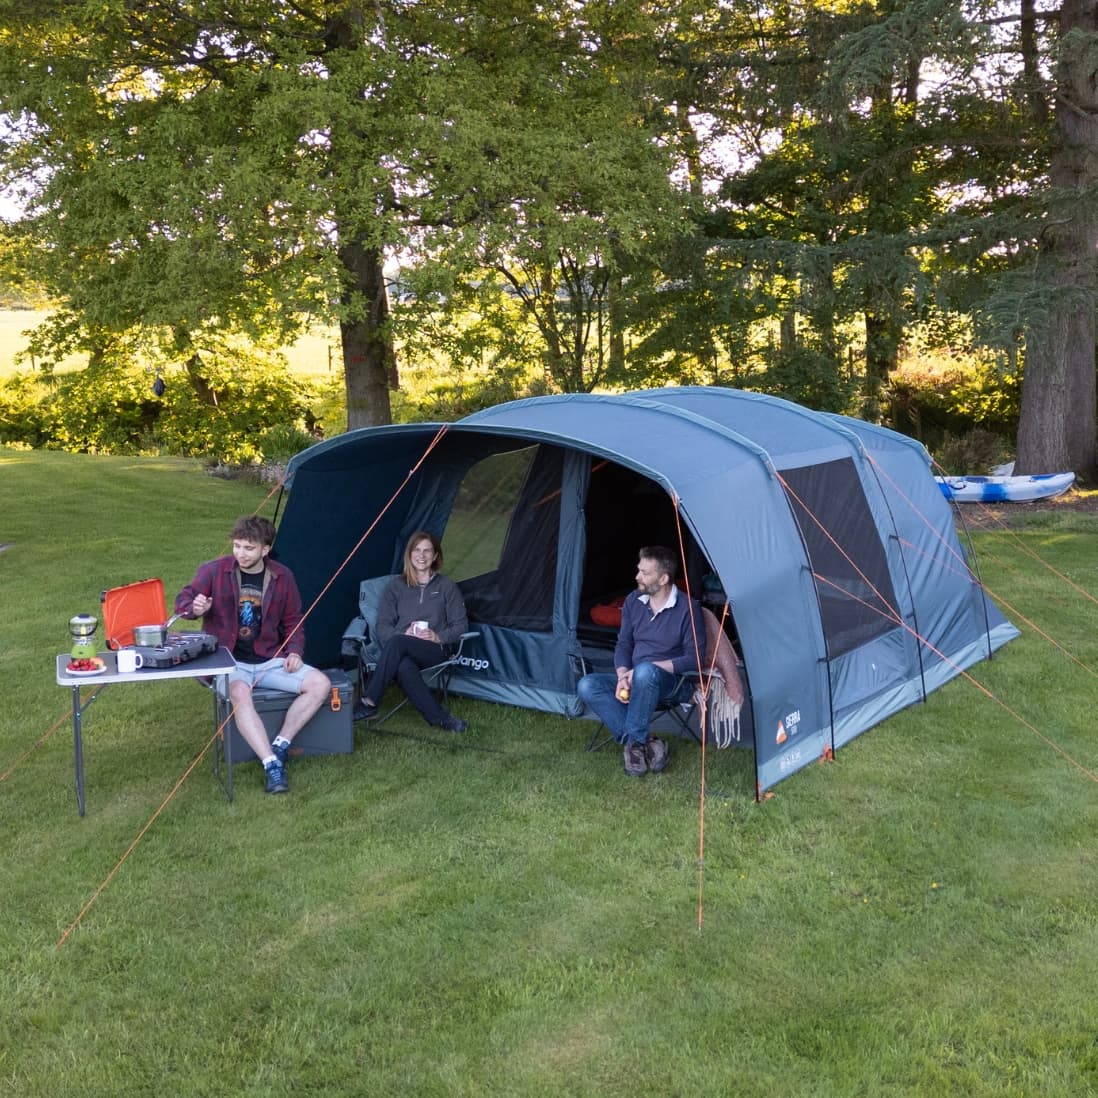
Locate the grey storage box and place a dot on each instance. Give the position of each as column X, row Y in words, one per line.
column 330, row 730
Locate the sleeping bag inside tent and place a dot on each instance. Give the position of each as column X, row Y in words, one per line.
column 848, row 594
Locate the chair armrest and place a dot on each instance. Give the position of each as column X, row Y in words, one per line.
column 461, row 642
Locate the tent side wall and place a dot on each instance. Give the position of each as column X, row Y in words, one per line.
column 336, row 495
column 948, row 623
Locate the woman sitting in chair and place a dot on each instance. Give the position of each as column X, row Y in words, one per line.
column 420, row 615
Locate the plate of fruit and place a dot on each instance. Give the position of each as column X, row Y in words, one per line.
column 85, row 666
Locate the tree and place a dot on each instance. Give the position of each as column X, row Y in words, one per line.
column 561, row 187
column 1059, row 423
column 184, row 169
column 249, row 165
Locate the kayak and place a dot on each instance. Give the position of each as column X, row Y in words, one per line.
column 1005, row 489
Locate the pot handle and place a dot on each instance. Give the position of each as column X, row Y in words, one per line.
column 173, row 618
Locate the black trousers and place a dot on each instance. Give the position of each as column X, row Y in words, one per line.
column 402, row 659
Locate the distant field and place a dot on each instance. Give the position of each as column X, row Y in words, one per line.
column 309, row 355
column 13, row 324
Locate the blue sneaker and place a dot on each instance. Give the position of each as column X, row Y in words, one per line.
column 281, row 752
column 276, row 778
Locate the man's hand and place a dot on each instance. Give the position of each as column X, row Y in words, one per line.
column 293, row 662
column 625, row 684
column 201, row 605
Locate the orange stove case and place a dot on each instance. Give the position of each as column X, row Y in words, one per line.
column 140, row 603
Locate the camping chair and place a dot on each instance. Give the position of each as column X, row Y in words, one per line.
column 723, row 696
column 679, row 706
column 360, row 643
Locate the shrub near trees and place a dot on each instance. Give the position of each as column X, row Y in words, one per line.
column 255, row 411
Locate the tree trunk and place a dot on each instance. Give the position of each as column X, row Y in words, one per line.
column 787, row 333
column 369, row 363
column 882, row 349
column 1058, row 423
column 615, row 293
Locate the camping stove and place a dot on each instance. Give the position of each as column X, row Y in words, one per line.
column 178, row 648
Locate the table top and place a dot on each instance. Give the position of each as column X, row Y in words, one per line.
column 220, row 662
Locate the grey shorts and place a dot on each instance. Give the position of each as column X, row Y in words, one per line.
column 271, row 675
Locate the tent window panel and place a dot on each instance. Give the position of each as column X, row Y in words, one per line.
column 476, row 530
column 848, row 561
column 504, row 528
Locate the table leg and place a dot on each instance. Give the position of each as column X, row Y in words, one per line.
column 227, row 740
column 78, row 747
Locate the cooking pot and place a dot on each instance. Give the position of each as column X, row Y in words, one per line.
column 154, row 635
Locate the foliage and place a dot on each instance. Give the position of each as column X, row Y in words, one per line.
column 238, row 399
column 812, row 379
column 503, row 914
column 953, row 392
column 242, row 403
column 465, row 344
column 975, row 453
column 279, row 443
column 252, row 167
column 749, row 194
column 24, row 402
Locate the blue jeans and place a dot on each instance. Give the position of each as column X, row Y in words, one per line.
column 628, row 721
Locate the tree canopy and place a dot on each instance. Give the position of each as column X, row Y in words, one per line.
column 747, row 194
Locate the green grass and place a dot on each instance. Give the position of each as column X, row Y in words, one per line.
column 507, row 914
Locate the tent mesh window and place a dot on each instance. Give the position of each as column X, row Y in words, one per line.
column 503, row 529
column 848, row 561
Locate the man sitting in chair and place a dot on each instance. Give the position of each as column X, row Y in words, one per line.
column 660, row 636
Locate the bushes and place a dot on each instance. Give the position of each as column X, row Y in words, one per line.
column 931, row 403
column 223, row 406
column 23, row 402
column 975, row 453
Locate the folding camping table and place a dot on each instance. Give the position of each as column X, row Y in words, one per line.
column 213, row 665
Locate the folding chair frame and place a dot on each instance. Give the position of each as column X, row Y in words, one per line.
column 437, row 677
column 680, row 711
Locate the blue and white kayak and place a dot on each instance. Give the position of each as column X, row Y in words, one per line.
column 1005, row 489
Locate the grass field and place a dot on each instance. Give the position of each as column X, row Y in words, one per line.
column 14, row 323
column 506, row 914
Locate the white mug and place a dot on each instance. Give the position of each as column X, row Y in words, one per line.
column 129, row 660
column 419, row 628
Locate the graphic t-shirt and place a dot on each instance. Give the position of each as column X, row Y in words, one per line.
column 249, row 615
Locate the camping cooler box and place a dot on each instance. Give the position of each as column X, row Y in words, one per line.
column 330, row 731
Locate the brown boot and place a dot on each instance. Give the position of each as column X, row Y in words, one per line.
column 636, row 766
column 656, row 754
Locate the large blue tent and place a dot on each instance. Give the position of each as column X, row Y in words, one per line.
column 849, row 596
